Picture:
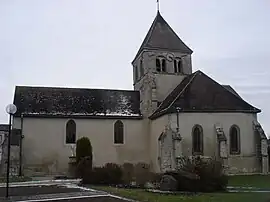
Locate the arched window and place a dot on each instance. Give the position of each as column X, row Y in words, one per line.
column 158, row 66
column 235, row 140
column 161, row 64
column 71, row 132
column 197, row 140
column 178, row 66
column 118, row 132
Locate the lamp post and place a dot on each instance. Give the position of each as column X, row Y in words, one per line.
column 11, row 110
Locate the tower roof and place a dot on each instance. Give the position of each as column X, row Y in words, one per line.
column 162, row 37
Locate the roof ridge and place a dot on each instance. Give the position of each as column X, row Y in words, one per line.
column 146, row 38
column 174, row 32
column 76, row 88
column 195, row 73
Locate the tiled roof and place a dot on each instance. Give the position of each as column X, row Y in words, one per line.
column 199, row 93
column 66, row 102
column 162, row 37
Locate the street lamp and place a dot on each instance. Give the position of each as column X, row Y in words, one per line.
column 11, row 110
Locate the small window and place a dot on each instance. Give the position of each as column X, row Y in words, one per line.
column 71, row 132
column 163, row 65
column 197, row 140
column 235, row 140
column 158, row 66
column 118, row 132
column 180, row 67
column 175, row 66
column 141, row 68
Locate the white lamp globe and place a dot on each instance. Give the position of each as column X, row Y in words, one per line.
column 11, row 109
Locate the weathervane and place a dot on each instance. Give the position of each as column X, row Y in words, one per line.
column 158, row 5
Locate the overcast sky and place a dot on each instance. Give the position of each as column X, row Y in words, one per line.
column 91, row 43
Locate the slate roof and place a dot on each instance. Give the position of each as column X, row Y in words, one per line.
column 199, row 93
column 229, row 88
column 4, row 127
column 76, row 102
column 162, row 37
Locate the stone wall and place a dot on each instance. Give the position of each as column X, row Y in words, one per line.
column 14, row 155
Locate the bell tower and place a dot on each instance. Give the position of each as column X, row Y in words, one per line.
column 161, row 63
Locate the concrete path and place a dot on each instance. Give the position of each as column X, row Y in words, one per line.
column 58, row 191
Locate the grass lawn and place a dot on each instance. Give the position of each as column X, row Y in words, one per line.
column 145, row 196
column 257, row 181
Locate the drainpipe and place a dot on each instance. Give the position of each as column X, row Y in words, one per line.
column 20, row 158
column 177, row 118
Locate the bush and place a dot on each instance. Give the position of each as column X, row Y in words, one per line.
column 84, row 157
column 97, row 176
column 114, row 173
column 84, row 167
column 110, row 174
column 141, row 174
column 128, row 173
column 212, row 177
column 200, row 175
column 83, row 149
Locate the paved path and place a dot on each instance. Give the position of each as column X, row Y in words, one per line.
column 62, row 192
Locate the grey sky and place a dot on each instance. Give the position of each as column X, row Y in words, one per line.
column 74, row 42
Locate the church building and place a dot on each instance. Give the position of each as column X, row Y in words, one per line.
column 172, row 112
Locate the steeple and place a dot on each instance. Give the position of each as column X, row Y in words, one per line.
column 161, row 63
column 162, row 37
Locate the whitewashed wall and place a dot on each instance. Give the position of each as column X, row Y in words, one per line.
column 44, row 145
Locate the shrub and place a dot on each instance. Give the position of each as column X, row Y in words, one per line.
column 97, row 176
column 84, row 157
column 114, row 173
column 155, row 177
column 110, row 174
column 200, row 175
column 141, row 174
column 212, row 177
column 128, row 173
column 83, row 149
column 84, row 167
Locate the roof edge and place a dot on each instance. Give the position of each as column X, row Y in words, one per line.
column 165, row 112
column 235, row 95
column 139, row 117
column 73, row 88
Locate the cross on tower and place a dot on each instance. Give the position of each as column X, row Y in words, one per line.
column 157, row 5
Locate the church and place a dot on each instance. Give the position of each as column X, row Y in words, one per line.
column 171, row 113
